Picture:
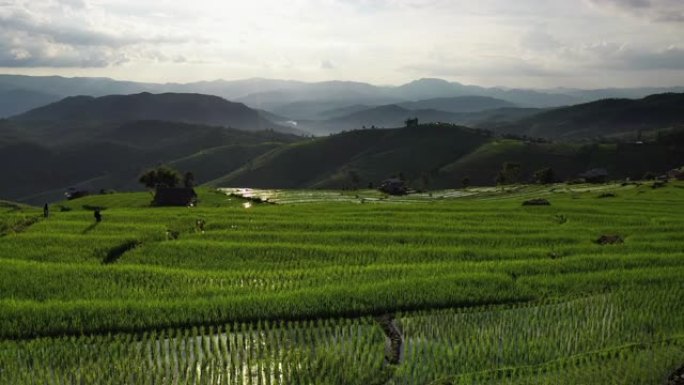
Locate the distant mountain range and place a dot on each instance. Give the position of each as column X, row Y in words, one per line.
column 463, row 110
column 388, row 116
column 106, row 142
column 458, row 104
column 294, row 99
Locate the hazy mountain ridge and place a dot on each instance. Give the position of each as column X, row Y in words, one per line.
column 459, row 104
column 386, row 116
column 275, row 95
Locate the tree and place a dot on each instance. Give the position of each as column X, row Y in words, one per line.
column 465, row 182
column 162, row 176
column 509, row 173
column 544, row 176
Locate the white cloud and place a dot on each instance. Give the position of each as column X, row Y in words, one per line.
column 71, row 34
column 493, row 42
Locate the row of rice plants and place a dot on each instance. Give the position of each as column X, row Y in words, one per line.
column 325, row 351
column 31, row 318
column 27, row 318
column 77, row 281
column 623, row 325
column 640, row 364
column 625, row 337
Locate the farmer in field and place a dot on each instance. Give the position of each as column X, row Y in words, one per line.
column 46, row 211
column 97, row 215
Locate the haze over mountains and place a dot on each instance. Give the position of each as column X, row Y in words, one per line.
column 293, row 99
column 105, row 142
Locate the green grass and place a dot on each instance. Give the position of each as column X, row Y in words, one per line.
column 465, row 270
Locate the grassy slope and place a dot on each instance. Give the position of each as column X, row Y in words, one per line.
column 213, row 162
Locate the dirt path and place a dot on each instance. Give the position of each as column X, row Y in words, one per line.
column 394, row 346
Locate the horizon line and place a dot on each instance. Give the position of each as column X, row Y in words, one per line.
column 501, row 87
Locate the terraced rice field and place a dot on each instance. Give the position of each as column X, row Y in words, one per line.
column 480, row 289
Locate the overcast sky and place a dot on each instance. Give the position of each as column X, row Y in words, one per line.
column 517, row 43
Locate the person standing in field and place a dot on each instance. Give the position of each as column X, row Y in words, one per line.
column 46, row 211
column 97, row 215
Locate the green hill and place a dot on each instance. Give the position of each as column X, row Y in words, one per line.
column 42, row 158
column 603, row 118
column 173, row 107
column 440, row 156
column 428, row 156
column 213, row 163
column 112, row 156
column 371, row 155
column 567, row 160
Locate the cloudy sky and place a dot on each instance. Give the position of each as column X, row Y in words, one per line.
column 521, row 43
